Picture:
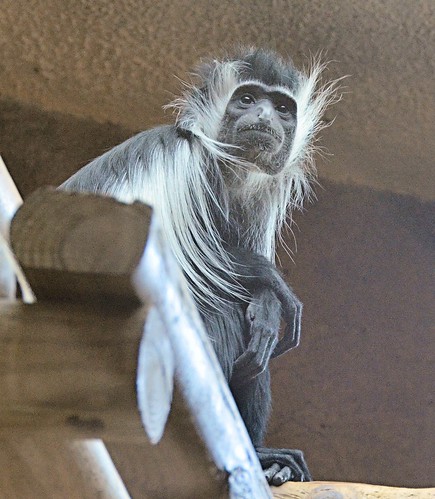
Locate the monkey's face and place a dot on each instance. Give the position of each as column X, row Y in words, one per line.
column 260, row 121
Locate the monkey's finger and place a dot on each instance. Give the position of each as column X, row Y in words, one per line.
column 255, row 359
column 263, row 340
column 284, row 475
column 292, row 314
column 261, row 345
column 256, row 338
column 247, row 367
column 270, row 472
column 289, row 341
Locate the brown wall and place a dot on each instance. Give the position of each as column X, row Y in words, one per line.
column 115, row 61
column 357, row 396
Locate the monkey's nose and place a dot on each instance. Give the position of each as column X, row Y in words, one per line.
column 265, row 111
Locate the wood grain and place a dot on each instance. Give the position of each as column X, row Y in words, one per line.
column 70, row 368
column 79, row 246
column 338, row 490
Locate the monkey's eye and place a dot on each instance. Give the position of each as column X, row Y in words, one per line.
column 247, row 99
column 283, row 109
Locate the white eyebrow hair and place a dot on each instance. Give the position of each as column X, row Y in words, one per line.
column 274, row 88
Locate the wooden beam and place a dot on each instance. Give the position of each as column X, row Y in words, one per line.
column 86, row 254
column 36, row 468
column 80, row 247
column 69, row 362
column 70, row 368
column 339, row 490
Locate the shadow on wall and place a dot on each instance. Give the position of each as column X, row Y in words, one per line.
column 358, row 393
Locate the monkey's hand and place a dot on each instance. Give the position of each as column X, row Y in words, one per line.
column 283, row 465
column 257, row 274
column 263, row 317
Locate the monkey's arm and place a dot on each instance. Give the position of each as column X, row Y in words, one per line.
column 263, row 316
column 268, row 277
column 271, row 298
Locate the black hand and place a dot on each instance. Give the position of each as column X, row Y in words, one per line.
column 263, row 317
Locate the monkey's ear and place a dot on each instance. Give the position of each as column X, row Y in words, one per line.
column 204, row 101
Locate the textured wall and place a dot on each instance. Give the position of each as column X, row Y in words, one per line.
column 114, row 61
column 77, row 77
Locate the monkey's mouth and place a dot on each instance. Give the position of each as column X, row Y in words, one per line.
column 261, row 129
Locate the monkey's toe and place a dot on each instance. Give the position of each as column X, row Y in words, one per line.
column 283, row 465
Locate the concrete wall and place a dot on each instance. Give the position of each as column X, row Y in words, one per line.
column 115, row 61
column 357, row 396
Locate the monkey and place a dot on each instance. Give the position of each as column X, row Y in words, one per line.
column 222, row 179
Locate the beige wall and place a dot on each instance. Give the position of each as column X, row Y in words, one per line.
column 114, row 61
column 77, row 77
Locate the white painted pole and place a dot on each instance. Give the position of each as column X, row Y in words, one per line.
column 10, row 270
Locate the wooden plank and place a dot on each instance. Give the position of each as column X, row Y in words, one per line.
column 70, row 368
column 80, row 246
column 71, row 362
column 339, row 490
column 49, row 468
column 81, row 469
column 86, row 248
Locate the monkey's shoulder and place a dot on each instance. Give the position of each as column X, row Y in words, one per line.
column 164, row 136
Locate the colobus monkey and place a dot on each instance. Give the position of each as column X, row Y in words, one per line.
column 222, row 180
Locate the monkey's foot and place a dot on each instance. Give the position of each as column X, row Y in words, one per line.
column 283, row 465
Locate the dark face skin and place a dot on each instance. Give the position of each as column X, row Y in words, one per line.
column 261, row 122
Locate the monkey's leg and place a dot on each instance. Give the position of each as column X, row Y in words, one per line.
column 263, row 317
column 253, row 400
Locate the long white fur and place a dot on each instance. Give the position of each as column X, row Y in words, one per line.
column 286, row 190
column 181, row 200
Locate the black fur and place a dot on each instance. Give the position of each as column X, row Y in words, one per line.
column 261, row 65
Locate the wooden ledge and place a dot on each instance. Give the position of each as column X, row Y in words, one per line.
column 340, row 490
